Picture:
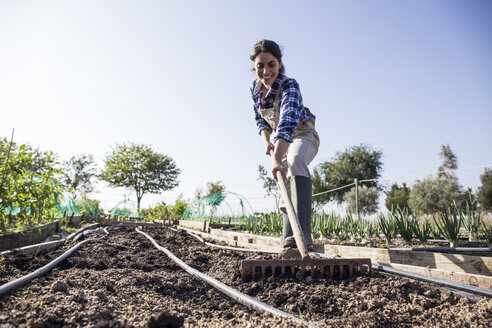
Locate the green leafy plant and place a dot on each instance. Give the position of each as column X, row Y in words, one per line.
column 487, row 232
column 471, row 219
column 264, row 223
column 388, row 226
column 422, row 232
column 449, row 224
column 33, row 192
column 331, row 226
column 404, row 224
column 373, row 230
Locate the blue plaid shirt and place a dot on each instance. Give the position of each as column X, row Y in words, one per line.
column 291, row 108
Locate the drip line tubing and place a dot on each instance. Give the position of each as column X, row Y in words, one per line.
column 244, row 299
column 231, row 247
column 446, row 249
column 43, row 270
column 442, row 282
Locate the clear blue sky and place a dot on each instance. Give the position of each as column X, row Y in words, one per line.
column 402, row 76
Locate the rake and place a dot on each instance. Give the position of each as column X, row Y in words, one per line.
column 317, row 267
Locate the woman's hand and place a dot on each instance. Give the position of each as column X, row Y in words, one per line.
column 278, row 166
column 266, row 141
column 277, row 159
column 269, row 147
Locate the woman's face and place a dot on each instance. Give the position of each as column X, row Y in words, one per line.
column 267, row 67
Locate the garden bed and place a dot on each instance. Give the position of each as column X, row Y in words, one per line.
column 30, row 236
column 474, row 270
column 123, row 281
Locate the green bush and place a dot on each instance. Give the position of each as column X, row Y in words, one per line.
column 29, row 189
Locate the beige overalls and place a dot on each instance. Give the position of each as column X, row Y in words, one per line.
column 305, row 142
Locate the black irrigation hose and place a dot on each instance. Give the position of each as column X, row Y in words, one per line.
column 244, row 299
column 442, row 282
column 232, row 248
column 445, row 249
column 43, row 270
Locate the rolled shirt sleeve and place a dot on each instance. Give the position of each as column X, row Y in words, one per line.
column 290, row 110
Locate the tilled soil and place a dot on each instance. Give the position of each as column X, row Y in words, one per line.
column 123, row 281
column 361, row 301
column 119, row 281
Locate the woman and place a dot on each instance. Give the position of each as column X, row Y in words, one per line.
column 278, row 107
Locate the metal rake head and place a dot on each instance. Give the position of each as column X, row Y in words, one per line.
column 339, row 268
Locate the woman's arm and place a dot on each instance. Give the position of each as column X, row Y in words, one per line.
column 280, row 149
column 265, row 135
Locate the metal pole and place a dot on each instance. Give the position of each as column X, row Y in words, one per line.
column 356, row 197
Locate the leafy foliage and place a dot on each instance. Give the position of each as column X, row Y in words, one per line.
column 270, row 185
column 433, row 195
column 32, row 191
column 405, row 224
column 388, row 226
column 79, row 171
column 398, row 197
column 368, row 200
column 449, row 224
column 264, row 223
column 163, row 211
column 422, row 231
column 359, row 162
column 450, row 162
column 88, row 206
column 471, row 219
column 139, row 168
column 214, row 187
column 484, row 193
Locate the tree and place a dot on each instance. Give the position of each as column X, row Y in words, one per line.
column 79, row 171
column 139, row 168
column 270, row 185
column 214, row 187
column 433, row 195
column 359, row 162
column 368, row 200
column 398, row 197
column 484, row 193
column 450, row 162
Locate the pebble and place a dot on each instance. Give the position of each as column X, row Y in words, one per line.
column 33, row 324
column 101, row 295
column 59, row 286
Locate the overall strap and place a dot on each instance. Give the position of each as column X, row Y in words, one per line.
column 276, row 101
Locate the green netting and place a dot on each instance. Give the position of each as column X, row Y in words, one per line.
column 67, row 207
column 220, row 207
column 126, row 208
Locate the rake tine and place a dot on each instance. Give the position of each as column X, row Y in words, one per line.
column 327, row 268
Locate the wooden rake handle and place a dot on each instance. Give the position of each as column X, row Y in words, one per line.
column 291, row 213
